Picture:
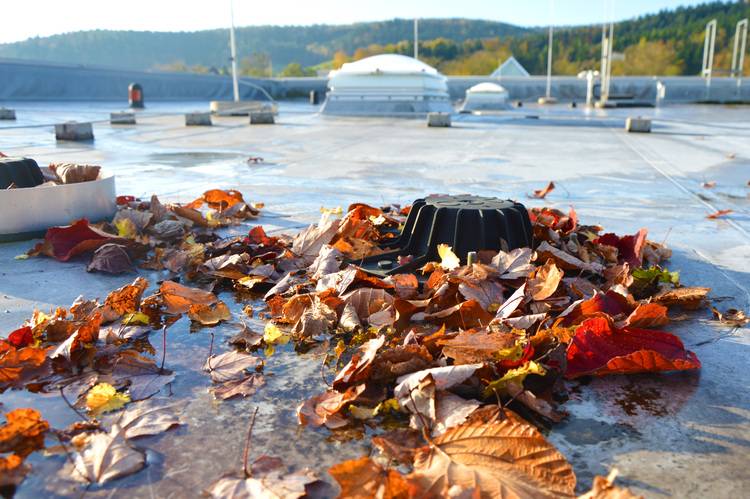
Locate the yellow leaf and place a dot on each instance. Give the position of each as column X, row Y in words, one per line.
column 104, row 398
column 448, row 259
column 514, row 376
column 22, row 256
column 273, row 335
column 331, row 211
column 135, row 318
column 126, row 228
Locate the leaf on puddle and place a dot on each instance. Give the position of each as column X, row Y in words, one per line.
column 125, row 300
column 495, row 460
column 363, row 478
column 604, row 488
column 12, row 471
column 178, row 298
column 719, row 214
column 241, row 387
column 230, row 366
column 150, row 417
column 598, row 348
column 107, row 456
column 400, row 444
column 209, row 315
column 269, row 479
column 17, row 363
column 325, row 409
column 448, row 259
column 104, row 398
column 23, row 432
column 143, row 376
column 731, row 317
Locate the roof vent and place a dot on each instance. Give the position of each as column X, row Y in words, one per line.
column 466, row 223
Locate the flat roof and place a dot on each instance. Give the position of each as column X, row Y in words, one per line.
column 681, row 434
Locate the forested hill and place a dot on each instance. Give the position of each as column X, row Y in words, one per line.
column 306, row 45
column 666, row 43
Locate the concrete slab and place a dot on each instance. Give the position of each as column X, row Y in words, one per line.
column 684, row 435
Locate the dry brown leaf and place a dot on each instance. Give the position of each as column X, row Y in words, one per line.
column 209, row 315
column 507, row 459
column 688, row 298
column 472, row 346
column 358, row 368
column 544, row 281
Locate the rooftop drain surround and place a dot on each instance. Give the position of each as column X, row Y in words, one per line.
column 466, row 223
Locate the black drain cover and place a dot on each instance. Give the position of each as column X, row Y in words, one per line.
column 466, row 223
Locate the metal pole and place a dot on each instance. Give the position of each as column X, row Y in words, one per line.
column 549, row 50
column 738, row 54
column 709, row 44
column 233, row 49
column 416, row 39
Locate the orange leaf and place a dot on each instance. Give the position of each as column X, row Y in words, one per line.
column 717, row 214
column 363, row 478
column 544, row 281
column 464, row 315
column 178, row 298
column 648, row 315
column 14, row 363
column 542, row 193
column 23, row 433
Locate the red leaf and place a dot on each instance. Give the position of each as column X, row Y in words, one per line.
column 63, row 243
column 630, row 248
column 122, row 200
column 598, row 348
column 21, row 337
column 610, row 303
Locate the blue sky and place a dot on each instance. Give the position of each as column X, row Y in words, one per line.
column 27, row 18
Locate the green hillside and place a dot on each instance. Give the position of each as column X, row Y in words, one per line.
column 665, row 43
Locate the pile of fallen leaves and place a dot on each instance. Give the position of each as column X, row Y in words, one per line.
column 453, row 367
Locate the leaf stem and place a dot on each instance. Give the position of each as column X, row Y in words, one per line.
column 246, row 452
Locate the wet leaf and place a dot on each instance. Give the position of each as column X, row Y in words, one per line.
column 150, row 417
column 209, row 315
column 111, row 259
column 719, row 214
column 269, row 480
column 732, row 317
column 363, row 478
column 104, row 398
column 178, row 298
column 16, row 363
column 107, row 456
column 230, row 366
column 598, row 348
column 495, row 460
column 23, row 432
column 12, row 471
column 604, row 488
column 241, row 387
column 125, row 300
column 325, row 409
column 63, row 243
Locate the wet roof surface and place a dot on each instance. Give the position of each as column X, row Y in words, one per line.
column 684, row 434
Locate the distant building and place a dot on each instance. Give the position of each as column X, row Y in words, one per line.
column 511, row 67
column 387, row 84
